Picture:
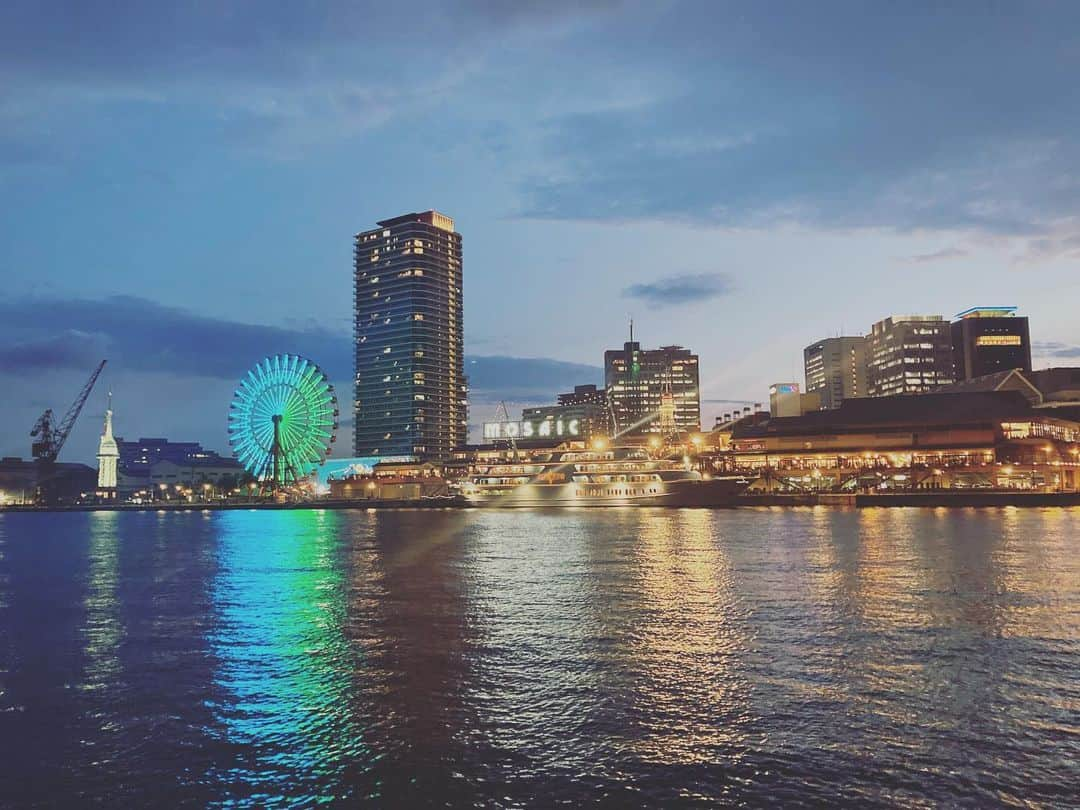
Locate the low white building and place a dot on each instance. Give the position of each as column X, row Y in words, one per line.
column 169, row 475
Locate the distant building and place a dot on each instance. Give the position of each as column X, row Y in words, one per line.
column 151, row 462
column 166, row 476
column 19, row 480
column 582, row 413
column 638, row 382
column 411, row 393
column 835, row 369
column 987, row 340
column 108, row 457
column 909, row 354
column 785, row 399
column 150, row 450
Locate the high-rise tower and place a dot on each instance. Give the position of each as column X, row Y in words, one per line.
column 987, row 340
column 108, row 456
column 411, row 393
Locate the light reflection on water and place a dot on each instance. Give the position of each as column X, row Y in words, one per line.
column 503, row 657
column 283, row 663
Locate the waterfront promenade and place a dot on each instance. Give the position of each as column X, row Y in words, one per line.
column 926, row 498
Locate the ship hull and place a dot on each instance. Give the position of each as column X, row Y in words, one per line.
column 708, row 493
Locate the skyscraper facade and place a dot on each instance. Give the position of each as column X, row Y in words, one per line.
column 987, row 340
column 909, row 354
column 638, row 382
column 835, row 369
column 411, row 392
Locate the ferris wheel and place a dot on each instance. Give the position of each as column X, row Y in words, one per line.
column 283, row 419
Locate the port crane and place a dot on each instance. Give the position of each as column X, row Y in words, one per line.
column 49, row 437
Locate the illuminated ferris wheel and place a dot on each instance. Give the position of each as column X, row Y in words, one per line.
column 283, row 419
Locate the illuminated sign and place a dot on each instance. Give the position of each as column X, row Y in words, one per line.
column 785, row 388
column 532, row 429
column 748, row 446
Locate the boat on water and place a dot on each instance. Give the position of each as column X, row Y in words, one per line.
column 619, row 476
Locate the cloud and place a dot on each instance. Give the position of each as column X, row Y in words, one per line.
column 144, row 335
column 837, row 118
column 525, row 379
column 279, row 79
column 938, row 255
column 137, row 334
column 1054, row 349
column 70, row 349
column 682, row 289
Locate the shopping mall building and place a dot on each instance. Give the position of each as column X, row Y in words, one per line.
column 996, row 439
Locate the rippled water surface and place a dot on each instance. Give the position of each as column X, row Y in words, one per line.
column 613, row 657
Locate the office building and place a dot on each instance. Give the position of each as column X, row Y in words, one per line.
column 653, row 391
column 987, row 340
column 410, row 395
column 835, row 369
column 909, row 354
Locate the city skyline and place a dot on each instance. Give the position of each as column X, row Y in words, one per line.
column 719, row 173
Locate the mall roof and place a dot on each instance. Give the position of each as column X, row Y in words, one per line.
column 915, row 410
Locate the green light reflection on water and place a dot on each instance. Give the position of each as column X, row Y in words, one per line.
column 285, row 666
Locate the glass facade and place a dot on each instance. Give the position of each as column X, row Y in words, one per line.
column 411, row 393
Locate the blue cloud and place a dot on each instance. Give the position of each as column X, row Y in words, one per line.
column 69, row 349
column 1055, row 349
column 530, row 379
column 144, row 335
column 137, row 334
column 835, row 115
column 684, row 289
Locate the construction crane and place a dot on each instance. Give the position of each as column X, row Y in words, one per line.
column 50, row 437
